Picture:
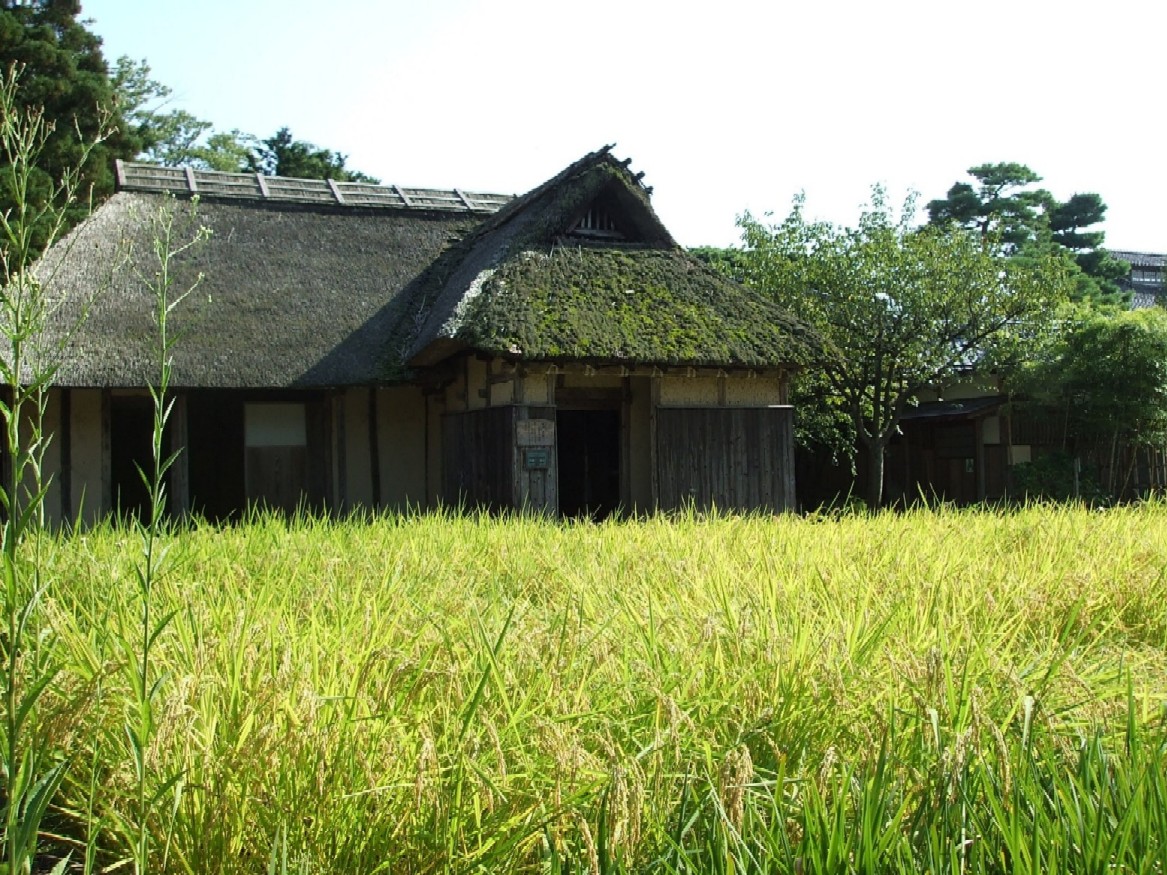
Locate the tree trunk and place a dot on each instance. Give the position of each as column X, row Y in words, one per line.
column 875, row 458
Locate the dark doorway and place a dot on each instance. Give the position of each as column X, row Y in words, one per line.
column 215, row 455
column 131, row 429
column 588, row 456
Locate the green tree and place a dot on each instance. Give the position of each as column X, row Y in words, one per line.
column 1001, row 205
column 1106, row 380
column 174, row 137
column 900, row 308
column 282, row 155
column 1005, row 205
column 820, row 422
column 63, row 75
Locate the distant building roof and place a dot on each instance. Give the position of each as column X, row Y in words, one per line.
column 1145, row 281
column 1140, row 259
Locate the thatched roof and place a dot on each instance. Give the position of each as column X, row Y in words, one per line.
column 292, row 295
column 317, row 283
column 642, row 306
column 528, row 283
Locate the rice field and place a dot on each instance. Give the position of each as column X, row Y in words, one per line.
column 937, row 690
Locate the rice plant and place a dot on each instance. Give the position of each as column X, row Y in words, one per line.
column 945, row 691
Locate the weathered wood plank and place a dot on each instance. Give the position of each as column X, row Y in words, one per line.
column 734, row 459
column 478, row 458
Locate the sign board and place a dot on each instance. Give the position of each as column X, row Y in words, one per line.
column 535, row 432
column 537, row 458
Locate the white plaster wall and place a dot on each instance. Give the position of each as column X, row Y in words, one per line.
column 760, row 391
column 358, row 476
column 535, row 390
column 681, row 391
column 991, row 430
column 502, row 393
column 433, row 417
column 401, row 435
column 454, row 394
column 86, row 453
column 639, row 444
column 476, row 377
column 275, row 425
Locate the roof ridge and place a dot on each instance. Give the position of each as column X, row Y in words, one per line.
column 145, row 177
column 519, row 203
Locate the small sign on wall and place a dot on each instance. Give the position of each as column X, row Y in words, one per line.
column 535, row 433
column 537, row 458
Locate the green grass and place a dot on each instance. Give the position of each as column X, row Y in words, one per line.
column 935, row 690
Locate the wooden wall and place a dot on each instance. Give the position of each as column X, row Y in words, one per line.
column 478, row 457
column 732, row 458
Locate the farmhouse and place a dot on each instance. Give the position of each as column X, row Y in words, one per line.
column 351, row 345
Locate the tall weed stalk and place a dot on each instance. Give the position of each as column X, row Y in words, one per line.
column 172, row 236
column 31, row 770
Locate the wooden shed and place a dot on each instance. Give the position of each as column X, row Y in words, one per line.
column 356, row 345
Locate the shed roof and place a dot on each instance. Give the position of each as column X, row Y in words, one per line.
column 953, row 411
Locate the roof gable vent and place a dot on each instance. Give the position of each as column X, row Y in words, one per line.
column 606, row 219
column 598, row 223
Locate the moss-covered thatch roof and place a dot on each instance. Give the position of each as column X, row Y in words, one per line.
column 525, row 284
column 629, row 305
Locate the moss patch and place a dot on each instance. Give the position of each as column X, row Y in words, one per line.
column 627, row 304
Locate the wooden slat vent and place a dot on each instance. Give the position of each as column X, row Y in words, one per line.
column 135, row 176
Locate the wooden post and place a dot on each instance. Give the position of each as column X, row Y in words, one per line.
column 653, row 452
column 106, row 455
column 626, row 445
column 520, row 496
column 979, row 437
column 340, row 439
column 374, row 449
column 66, row 481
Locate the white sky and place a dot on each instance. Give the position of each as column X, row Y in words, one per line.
column 726, row 106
